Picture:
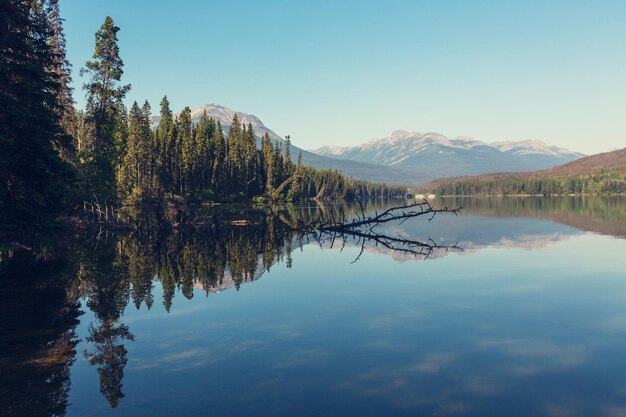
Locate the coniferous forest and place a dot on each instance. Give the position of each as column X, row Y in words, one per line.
column 55, row 157
column 605, row 182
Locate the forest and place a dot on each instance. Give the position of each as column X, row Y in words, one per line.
column 55, row 158
column 607, row 182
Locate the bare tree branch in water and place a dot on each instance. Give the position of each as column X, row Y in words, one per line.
column 361, row 229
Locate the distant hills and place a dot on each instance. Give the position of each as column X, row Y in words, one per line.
column 440, row 156
column 601, row 173
column 614, row 160
column 356, row 169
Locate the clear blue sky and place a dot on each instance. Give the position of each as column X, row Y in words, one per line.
column 343, row 72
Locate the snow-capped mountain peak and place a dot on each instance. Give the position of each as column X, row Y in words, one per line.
column 533, row 147
column 435, row 153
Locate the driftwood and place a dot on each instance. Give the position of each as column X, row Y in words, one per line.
column 399, row 213
column 361, row 229
column 100, row 213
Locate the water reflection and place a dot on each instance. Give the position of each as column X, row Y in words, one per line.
column 39, row 311
column 214, row 249
column 599, row 214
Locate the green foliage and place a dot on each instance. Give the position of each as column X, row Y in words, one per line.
column 603, row 182
column 195, row 162
column 99, row 153
column 34, row 181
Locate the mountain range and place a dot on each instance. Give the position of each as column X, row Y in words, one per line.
column 409, row 158
column 356, row 169
column 440, row 156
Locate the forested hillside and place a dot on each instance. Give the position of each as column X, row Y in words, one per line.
column 603, row 173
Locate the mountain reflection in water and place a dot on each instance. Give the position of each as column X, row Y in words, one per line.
column 45, row 288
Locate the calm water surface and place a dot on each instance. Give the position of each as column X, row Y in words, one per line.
column 242, row 318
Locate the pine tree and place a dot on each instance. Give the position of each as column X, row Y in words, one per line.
column 267, row 152
column 33, row 179
column 146, row 153
column 296, row 190
column 203, row 158
column 233, row 156
column 62, row 70
column 219, row 160
column 103, row 98
column 60, row 64
column 288, row 161
column 250, row 159
column 187, row 149
column 129, row 178
column 165, row 145
column 278, row 169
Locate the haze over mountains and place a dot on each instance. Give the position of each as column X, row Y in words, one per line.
column 440, row 156
column 410, row 157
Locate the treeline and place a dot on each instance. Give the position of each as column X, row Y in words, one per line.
column 197, row 161
column 606, row 182
column 54, row 157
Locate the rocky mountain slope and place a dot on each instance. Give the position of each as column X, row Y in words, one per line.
column 440, row 156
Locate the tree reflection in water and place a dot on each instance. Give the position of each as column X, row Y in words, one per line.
column 207, row 249
column 42, row 287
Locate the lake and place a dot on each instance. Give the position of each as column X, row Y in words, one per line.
column 240, row 316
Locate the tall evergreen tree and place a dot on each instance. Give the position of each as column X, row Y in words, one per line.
column 62, row 69
column 250, row 161
column 267, row 152
column 165, row 146
column 234, row 153
column 288, row 161
column 187, row 149
column 103, row 107
column 278, row 173
column 218, row 177
column 33, row 179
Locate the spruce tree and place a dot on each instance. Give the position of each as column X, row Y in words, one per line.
column 278, row 169
column 146, row 153
column 33, row 179
column 62, row 69
column 233, row 157
column 218, row 177
column 165, row 145
column 251, row 157
column 288, row 161
column 104, row 96
column 187, row 149
column 267, row 152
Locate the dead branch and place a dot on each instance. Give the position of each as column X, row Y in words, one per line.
column 361, row 229
column 399, row 213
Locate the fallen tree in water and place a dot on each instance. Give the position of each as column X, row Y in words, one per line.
column 360, row 229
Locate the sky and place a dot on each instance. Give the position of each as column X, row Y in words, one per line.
column 343, row 72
